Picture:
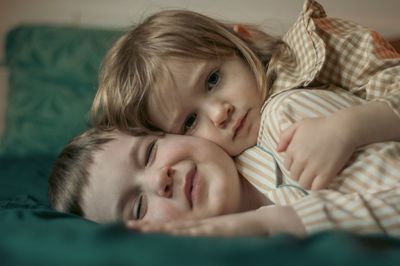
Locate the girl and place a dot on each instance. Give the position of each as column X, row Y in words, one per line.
column 185, row 73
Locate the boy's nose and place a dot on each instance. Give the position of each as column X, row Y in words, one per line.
column 220, row 113
column 164, row 182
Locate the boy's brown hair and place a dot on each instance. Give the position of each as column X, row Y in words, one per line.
column 70, row 172
column 134, row 65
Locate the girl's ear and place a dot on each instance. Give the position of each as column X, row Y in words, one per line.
column 242, row 31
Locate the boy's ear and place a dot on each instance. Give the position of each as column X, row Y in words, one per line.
column 242, row 31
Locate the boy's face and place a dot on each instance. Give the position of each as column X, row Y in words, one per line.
column 216, row 100
column 159, row 179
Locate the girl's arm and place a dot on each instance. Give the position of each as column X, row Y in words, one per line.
column 358, row 60
column 371, row 211
column 369, row 123
column 325, row 144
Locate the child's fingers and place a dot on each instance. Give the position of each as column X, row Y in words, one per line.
column 152, row 228
column 307, row 177
column 296, row 170
column 242, row 31
column 131, row 224
column 165, row 227
column 320, row 182
column 140, row 225
column 182, row 224
column 285, row 138
column 288, row 162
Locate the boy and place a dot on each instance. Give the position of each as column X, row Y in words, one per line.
column 107, row 176
column 193, row 184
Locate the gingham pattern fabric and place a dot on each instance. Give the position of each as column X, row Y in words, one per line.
column 325, row 50
column 337, row 65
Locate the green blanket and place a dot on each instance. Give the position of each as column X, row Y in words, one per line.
column 33, row 234
column 53, row 73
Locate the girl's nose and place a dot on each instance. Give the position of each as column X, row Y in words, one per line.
column 163, row 182
column 220, row 113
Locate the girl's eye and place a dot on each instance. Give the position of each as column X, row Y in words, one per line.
column 189, row 123
column 139, row 207
column 150, row 152
column 213, row 80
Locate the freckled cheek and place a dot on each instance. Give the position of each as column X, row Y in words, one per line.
column 165, row 210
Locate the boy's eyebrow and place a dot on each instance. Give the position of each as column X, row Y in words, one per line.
column 134, row 152
column 132, row 192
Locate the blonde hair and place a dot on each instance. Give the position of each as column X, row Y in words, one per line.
column 134, row 65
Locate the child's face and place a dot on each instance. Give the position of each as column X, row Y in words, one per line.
column 216, row 100
column 159, row 179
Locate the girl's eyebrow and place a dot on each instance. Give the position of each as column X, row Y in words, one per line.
column 175, row 123
column 201, row 72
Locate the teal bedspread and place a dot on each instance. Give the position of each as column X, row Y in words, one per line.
column 33, row 234
column 53, row 72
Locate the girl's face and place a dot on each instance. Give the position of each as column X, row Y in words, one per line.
column 216, row 100
column 159, row 179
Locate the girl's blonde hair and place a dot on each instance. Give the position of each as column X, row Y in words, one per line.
column 134, row 65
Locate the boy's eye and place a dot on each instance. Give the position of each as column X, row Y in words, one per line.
column 139, row 207
column 150, row 152
column 213, row 80
column 189, row 123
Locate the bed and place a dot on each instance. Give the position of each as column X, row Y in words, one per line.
column 52, row 79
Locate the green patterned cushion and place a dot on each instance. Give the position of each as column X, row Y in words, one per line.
column 53, row 78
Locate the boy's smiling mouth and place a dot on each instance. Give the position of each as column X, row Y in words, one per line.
column 192, row 187
column 188, row 186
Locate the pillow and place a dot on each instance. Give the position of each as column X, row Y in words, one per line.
column 53, row 78
column 25, row 176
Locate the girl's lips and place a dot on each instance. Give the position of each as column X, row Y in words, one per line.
column 239, row 125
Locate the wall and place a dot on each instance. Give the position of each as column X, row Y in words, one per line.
column 275, row 15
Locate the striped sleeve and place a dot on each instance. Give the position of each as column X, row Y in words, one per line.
column 368, row 212
column 365, row 196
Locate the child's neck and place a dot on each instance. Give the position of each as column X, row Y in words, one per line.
column 252, row 198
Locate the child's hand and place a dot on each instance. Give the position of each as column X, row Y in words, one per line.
column 264, row 221
column 316, row 149
column 238, row 224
